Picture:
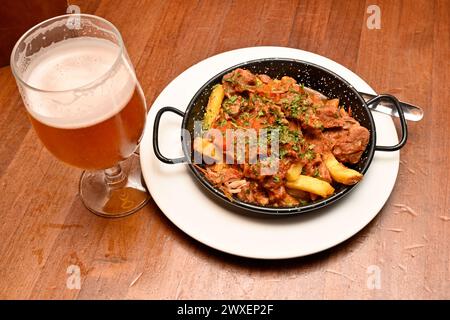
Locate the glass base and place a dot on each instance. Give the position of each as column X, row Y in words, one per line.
column 117, row 197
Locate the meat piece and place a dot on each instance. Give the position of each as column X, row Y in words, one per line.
column 253, row 194
column 284, row 84
column 299, row 194
column 245, row 77
column 349, row 142
column 232, row 106
column 350, row 149
column 238, row 80
column 323, row 173
column 310, row 121
column 261, row 198
column 252, row 171
column 236, row 186
column 317, row 169
column 221, row 173
column 277, row 194
column 264, row 78
column 270, row 182
column 329, row 114
column 313, row 196
column 319, row 140
column 228, row 88
column 288, row 81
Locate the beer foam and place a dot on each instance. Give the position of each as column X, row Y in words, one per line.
column 80, row 87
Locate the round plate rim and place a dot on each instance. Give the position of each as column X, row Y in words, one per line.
column 147, row 150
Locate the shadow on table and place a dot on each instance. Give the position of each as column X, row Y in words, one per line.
column 266, row 265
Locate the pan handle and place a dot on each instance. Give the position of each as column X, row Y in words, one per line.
column 155, row 136
column 401, row 115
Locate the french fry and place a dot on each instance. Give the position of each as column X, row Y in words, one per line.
column 339, row 172
column 207, row 148
column 213, row 107
column 313, row 185
column 294, row 171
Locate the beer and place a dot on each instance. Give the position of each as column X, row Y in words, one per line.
column 86, row 105
column 95, row 114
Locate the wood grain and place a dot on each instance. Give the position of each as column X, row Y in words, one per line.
column 13, row 25
column 44, row 227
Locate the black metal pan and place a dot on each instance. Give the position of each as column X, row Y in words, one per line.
column 312, row 76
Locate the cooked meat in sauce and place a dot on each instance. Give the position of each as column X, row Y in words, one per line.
column 309, row 127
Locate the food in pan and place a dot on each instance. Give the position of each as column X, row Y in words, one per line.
column 317, row 138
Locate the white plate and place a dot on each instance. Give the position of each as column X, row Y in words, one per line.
column 189, row 206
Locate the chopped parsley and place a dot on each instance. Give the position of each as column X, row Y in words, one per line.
column 294, row 110
column 279, row 121
column 307, row 118
column 283, row 153
column 233, row 123
column 316, row 173
column 310, row 154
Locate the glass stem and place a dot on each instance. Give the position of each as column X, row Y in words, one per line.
column 115, row 177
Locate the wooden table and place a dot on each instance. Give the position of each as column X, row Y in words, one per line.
column 44, row 227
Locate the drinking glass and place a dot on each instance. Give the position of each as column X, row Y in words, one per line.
column 86, row 106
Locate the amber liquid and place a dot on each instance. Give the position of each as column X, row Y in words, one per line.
column 99, row 146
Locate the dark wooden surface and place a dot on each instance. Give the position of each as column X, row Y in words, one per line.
column 13, row 24
column 44, row 227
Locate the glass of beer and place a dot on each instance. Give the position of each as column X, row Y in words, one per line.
column 86, row 106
